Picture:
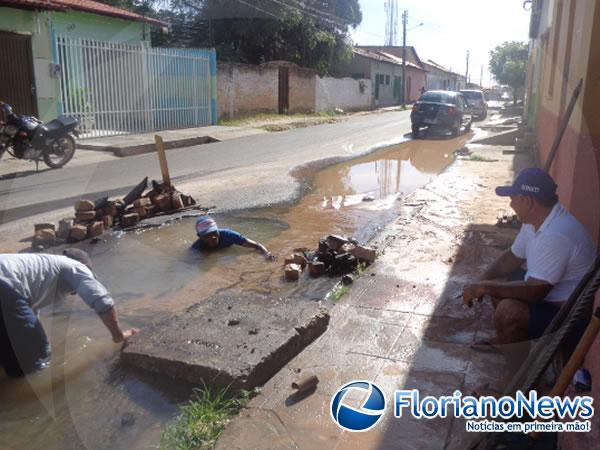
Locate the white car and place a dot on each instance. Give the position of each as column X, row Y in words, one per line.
column 476, row 101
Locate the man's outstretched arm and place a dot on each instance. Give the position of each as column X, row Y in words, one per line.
column 258, row 246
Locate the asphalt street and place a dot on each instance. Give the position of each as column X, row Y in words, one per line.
column 240, row 173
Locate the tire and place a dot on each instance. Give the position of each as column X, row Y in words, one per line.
column 55, row 160
column 456, row 128
column 415, row 130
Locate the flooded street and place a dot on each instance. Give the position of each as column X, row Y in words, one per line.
column 86, row 400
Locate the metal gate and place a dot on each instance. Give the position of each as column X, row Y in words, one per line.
column 17, row 86
column 120, row 88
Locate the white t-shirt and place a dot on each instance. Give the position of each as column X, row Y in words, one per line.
column 560, row 252
column 44, row 278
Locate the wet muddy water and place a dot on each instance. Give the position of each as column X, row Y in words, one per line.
column 87, row 400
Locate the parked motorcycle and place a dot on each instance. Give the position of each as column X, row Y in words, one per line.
column 26, row 137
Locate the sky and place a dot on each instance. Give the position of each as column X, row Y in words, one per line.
column 450, row 28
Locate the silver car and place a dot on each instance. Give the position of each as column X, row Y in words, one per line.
column 476, row 101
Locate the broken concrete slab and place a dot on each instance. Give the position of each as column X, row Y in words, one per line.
column 227, row 340
column 503, row 138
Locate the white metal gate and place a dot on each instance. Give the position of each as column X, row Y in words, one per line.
column 120, row 88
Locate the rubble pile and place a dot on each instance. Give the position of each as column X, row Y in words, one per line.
column 335, row 256
column 92, row 218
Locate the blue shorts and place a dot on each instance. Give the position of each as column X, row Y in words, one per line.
column 24, row 346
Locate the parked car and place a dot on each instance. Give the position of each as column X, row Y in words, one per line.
column 441, row 109
column 477, row 103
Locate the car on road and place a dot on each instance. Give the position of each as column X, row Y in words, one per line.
column 476, row 101
column 441, row 109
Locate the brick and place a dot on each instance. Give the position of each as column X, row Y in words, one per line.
column 128, row 220
column 292, row 272
column 84, row 205
column 64, row 227
column 316, row 268
column 347, row 248
column 107, row 221
column 176, row 201
column 95, row 229
column 78, row 232
column 85, row 216
column 296, row 258
column 334, row 242
column 163, row 202
column 152, row 210
column 111, row 210
column 45, row 236
column 364, row 254
column 44, row 226
column 142, row 202
column 141, row 211
column 188, row 200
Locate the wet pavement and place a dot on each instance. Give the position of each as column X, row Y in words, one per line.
column 403, row 324
column 87, row 400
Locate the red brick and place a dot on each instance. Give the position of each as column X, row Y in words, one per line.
column 95, row 229
column 78, row 232
column 84, row 205
column 128, row 220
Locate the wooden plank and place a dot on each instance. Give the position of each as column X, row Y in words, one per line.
column 162, row 158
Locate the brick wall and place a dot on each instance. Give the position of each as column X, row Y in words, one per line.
column 244, row 89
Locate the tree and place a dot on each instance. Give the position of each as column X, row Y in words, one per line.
column 508, row 65
column 310, row 33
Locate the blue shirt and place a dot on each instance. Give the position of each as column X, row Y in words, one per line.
column 227, row 238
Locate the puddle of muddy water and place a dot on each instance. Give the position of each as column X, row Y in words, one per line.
column 86, row 400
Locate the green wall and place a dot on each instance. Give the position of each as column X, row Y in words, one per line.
column 44, row 25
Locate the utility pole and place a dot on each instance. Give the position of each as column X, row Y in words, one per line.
column 404, row 21
column 467, row 71
column 481, row 77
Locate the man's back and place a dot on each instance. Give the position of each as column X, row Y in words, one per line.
column 36, row 277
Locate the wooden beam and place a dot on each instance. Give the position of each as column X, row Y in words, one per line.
column 162, row 158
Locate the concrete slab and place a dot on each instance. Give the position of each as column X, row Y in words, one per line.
column 135, row 144
column 228, row 341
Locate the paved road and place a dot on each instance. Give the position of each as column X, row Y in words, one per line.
column 235, row 174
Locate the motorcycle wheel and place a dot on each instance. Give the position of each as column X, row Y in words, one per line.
column 60, row 152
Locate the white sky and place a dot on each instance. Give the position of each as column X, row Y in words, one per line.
column 450, row 28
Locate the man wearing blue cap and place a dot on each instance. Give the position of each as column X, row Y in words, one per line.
column 211, row 237
column 557, row 252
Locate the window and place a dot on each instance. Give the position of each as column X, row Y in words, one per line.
column 387, row 80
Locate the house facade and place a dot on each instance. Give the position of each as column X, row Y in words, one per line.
column 28, row 31
column 385, row 72
column 564, row 51
column 440, row 78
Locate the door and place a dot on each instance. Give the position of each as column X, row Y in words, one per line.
column 17, row 84
column 284, row 90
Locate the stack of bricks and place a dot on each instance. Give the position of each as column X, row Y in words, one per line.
column 93, row 218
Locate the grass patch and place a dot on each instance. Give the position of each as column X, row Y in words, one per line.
column 203, row 419
column 480, row 158
column 265, row 118
column 338, row 291
column 341, row 289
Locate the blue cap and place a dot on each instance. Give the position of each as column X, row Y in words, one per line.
column 533, row 182
column 205, row 224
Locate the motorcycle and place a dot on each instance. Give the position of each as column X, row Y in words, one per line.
column 25, row 137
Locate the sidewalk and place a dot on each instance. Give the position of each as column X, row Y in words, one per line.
column 135, row 144
column 402, row 325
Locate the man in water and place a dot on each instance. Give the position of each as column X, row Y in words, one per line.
column 29, row 281
column 211, row 237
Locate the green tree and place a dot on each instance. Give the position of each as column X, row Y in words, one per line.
column 310, row 33
column 508, row 64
